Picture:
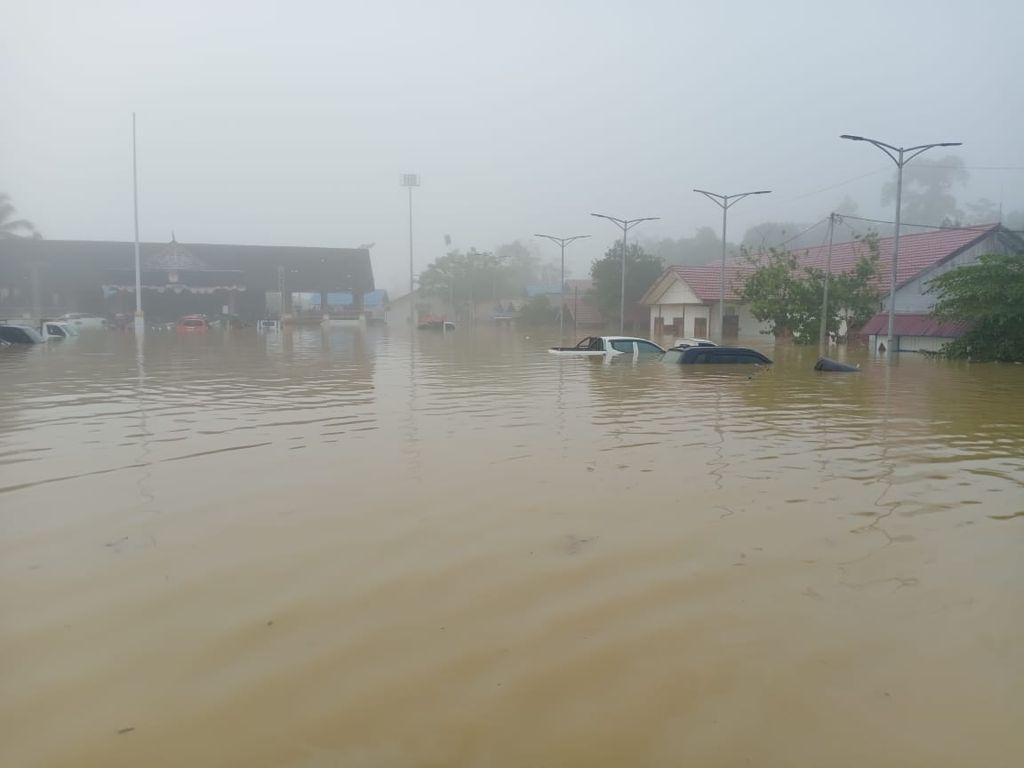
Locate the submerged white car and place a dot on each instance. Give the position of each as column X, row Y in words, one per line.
column 609, row 346
column 693, row 341
column 83, row 320
column 57, row 329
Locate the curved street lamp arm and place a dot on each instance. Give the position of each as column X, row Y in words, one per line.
column 889, row 149
column 620, row 222
column 733, row 199
column 915, row 151
column 717, row 199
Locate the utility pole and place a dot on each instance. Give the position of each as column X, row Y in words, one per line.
column 828, row 275
column 625, row 225
column 562, row 242
column 901, row 156
column 725, row 202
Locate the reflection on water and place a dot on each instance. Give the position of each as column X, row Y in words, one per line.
column 355, row 548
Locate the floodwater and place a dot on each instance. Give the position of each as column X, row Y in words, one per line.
column 348, row 549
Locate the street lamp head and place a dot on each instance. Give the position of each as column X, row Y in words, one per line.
column 761, row 192
column 852, row 138
column 950, row 144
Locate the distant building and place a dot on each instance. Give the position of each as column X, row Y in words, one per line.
column 684, row 300
column 51, row 277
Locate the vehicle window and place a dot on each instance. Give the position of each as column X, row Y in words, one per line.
column 52, row 329
column 673, row 356
column 700, row 357
column 192, row 323
column 749, row 358
column 646, row 348
column 623, row 345
column 15, row 335
column 597, row 344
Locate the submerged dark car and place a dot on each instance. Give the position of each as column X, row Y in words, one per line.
column 19, row 334
column 715, row 356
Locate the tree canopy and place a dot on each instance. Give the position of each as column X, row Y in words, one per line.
column 788, row 296
column 11, row 227
column 990, row 294
column 642, row 269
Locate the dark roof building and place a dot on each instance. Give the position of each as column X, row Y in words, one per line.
column 56, row 276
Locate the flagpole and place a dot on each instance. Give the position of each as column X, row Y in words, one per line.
column 140, row 322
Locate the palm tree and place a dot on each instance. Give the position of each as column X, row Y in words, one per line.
column 10, row 227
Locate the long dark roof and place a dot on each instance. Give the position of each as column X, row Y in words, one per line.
column 309, row 269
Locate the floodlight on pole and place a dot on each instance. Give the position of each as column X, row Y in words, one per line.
column 725, row 202
column 562, row 242
column 411, row 180
column 901, row 156
column 625, row 225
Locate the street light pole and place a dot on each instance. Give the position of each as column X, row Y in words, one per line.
column 562, row 242
column 140, row 321
column 625, row 225
column 411, row 180
column 725, row 202
column 901, row 156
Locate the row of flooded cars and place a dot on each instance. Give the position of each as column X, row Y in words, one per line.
column 71, row 325
column 688, row 351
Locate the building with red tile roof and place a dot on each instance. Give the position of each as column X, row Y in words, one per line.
column 684, row 300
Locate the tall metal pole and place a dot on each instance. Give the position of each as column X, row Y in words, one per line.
column 140, row 322
column 412, row 294
column 562, row 242
column 890, row 336
column 724, row 201
column 561, row 298
column 721, row 276
column 901, row 156
column 828, row 274
column 625, row 225
column 622, row 287
column 411, row 180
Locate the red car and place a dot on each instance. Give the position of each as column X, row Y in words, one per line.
column 193, row 324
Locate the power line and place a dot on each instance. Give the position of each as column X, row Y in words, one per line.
column 837, row 185
column 930, row 226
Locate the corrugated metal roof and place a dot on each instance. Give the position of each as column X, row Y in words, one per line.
column 915, row 325
column 918, row 253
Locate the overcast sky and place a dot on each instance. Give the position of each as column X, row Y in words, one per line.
column 290, row 122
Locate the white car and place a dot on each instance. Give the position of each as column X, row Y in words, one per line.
column 692, row 341
column 57, row 329
column 83, row 320
column 610, row 346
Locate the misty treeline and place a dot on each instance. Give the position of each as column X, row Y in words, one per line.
column 473, row 276
column 11, row 226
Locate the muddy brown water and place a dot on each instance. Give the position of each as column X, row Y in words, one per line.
column 348, row 549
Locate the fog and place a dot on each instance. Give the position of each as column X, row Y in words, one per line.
column 289, row 123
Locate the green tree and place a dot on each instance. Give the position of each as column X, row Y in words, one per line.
column 642, row 269
column 788, row 296
column 854, row 296
column 773, row 290
column 990, row 294
column 10, row 227
column 538, row 311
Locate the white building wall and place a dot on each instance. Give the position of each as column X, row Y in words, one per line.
column 913, row 297
column 750, row 326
